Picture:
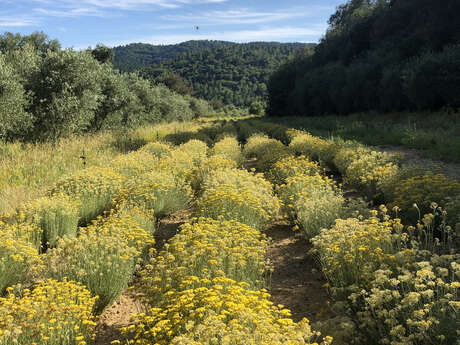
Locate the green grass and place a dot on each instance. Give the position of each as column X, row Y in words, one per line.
column 436, row 135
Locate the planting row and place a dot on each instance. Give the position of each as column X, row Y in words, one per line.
column 394, row 284
column 206, row 286
column 45, row 253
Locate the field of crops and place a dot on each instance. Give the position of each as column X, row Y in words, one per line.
column 385, row 236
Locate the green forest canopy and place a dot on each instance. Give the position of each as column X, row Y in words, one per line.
column 47, row 92
column 376, row 55
column 232, row 73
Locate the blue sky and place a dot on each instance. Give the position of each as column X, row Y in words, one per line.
column 83, row 23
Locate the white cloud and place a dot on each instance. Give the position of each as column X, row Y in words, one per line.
column 17, row 21
column 246, row 16
column 124, row 4
column 299, row 34
column 69, row 13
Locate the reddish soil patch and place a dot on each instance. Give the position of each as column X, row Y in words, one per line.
column 297, row 282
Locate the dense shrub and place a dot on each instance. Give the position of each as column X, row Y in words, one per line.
column 53, row 313
column 103, row 263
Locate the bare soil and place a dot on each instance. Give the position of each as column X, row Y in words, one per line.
column 118, row 315
column 297, row 281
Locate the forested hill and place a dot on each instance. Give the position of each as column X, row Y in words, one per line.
column 134, row 56
column 233, row 73
column 383, row 55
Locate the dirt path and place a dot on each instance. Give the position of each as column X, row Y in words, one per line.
column 415, row 157
column 297, row 283
column 119, row 313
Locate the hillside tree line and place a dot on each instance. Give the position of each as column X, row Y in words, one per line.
column 47, row 92
column 377, row 55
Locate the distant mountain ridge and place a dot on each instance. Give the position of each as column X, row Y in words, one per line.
column 234, row 73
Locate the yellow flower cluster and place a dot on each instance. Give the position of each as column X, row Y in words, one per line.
column 310, row 199
column 93, row 187
column 291, row 166
column 56, row 216
column 158, row 190
column 205, row 250
column 210, row 165
column 18, row 260
column 267, row 151
column 313, row 147
column 226, row 312
column 347, row 153
column 303, row 184
column 103, row 263
column 422, row 191
column 130, row 224
column 157, row 149
column 229, row 148
column 195, row 149
column 24, row 231
column 134, row 163
column 369, row 171
column 239, row 195
column 53, row 313
column 412, row 305
column 354, row 248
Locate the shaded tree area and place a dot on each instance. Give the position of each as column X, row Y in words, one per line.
column 47, row 93
column 376, row 55
column 229, row 72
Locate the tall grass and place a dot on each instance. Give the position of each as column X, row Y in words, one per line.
column 28, row 170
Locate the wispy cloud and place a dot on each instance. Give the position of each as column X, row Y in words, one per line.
column 69, row 13
column 17, row 21
column 245, row 16
column 300, row 34
column 124, row 4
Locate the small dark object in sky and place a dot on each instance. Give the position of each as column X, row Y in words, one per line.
column 197, row 27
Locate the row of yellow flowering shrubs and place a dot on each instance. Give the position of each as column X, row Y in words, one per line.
column 44, row 256
column 394, row 284
column 380, row 177
column 206, row 285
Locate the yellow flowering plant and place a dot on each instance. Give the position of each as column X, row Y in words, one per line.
column 302, row 185
column 368, row 172
column 133, row 225
column 267, row 151
column 209, row 166
column 313, row 147
column 93, row 187
column 19, row 260
column 24, row 231
column 239, row 195
column 56, row 216
column 226, row 312
column 414, row 305
column 53, row 313
column 229, row 148
column 422, row 190
column 134, row 163
column 354, row 248
column 103, row 263
column 291, row 166
column 157, row 149
column 159, row 191
column 205, row 249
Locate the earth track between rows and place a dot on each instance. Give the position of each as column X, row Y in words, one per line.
column 296, row 282
column 118, row 315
